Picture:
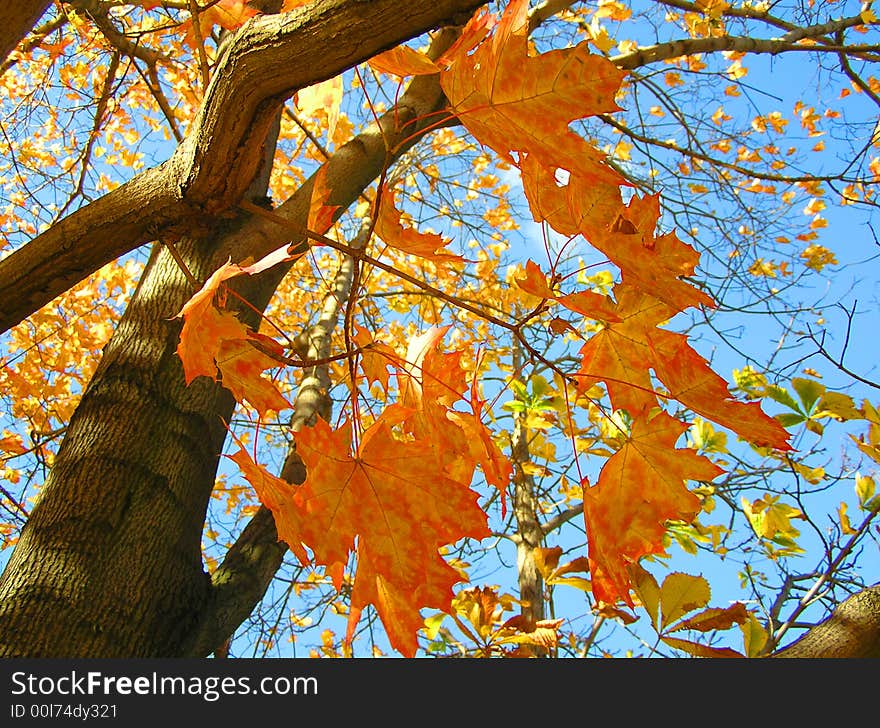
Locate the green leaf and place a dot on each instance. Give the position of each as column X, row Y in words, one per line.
column 778, row 394
column 837, row 405
column 873, row 505
column 865, row 488
column 540, row 387
column 789, row 419
column 809, row 391
column 519, row 390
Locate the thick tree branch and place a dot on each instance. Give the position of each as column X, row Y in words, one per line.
column 17, row 17
column 853, row 630
column 267, row 60
column 239, row 582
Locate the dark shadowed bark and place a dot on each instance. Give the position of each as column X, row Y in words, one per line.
column 17, row 17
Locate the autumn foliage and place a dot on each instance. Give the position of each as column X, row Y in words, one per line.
column 419, row 335
column 398, row 489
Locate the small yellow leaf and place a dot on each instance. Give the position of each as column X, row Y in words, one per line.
column 754, row 636
column 547, row 559
column 837, row 405
column 865, row 488
column 680, row 594
column 647, row 590
column 845, row 525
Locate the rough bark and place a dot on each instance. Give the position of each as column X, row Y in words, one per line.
column 852, row 631
column 267, row 60
column 16, row 19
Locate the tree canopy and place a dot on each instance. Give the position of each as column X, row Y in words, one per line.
column 439, row 328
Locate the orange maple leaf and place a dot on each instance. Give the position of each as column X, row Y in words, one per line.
column 692, row 382
column 481, row 448
column 620, row 353
column 205, row 327
column 393, row 499
column 624, row 233
column 534, row 281
column 241, row 366
column 228, row 14
column 403, row 61
column 324, row 96
column 405, row 237
column 623, row 354
column 514, row 102
column 640, row 488
column 653, row 263
column 321, row 215
column 588, row 303
column 431, row 382
column 374, row 357
column 213, row 341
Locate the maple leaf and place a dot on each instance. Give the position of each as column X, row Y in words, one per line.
column 324, row 96
column 375, row 357
column 241, row 365
column 513, row 102
column 213, row 341
column 205, row 327
column 392, row 498
column 472, row 34
column 406, row 238
column 654, row 264
column 533, row 281
column 403, row 61
column 591, row 304
column 625, row 234
column 623, row 354
column 620, row 354
column 692, row 382
column 321, row 214
column 640, row 488
column 497, row 468
column 228, row 14
column 430, row 383
column 200, row 342
column 11, row 443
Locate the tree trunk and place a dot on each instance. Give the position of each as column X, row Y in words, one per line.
column 109, row 563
